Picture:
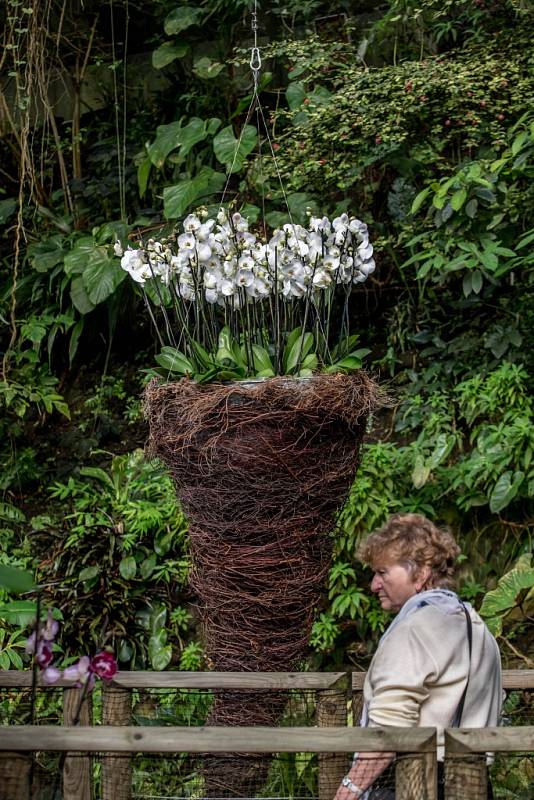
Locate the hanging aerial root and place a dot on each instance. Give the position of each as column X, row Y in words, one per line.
column 261, row 468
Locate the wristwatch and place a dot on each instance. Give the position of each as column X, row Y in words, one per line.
column 352, row 787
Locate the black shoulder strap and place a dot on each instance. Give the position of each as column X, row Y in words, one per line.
column 460, row 710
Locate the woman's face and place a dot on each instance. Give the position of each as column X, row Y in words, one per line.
column 394, row 584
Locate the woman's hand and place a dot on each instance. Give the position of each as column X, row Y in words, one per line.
column 363, row 773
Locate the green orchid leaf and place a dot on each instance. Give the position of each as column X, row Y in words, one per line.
column 291, row 339
column 299, row 350
column 174, row 361
column 202, row 356
column 262, row 360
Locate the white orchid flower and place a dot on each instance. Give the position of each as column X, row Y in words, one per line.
column 340, row 222
column 244, row 277
column 246, row 262
column 211, row 295
column 240, row 223
column 293, row 288
column 368, row 267
column 227, row 288
column 330, row 264
column 322, row 279
column 203, row 251
column 186, row 291
column 205, row 230
column 117, row 249
column 191, row 223
column 186, row 241
column 365, row 251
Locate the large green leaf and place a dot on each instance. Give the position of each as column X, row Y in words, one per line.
column 195, row 131
column 299, row 203
column 177, row 199
column 80, row 298
column 167, row 139
column 229, row 150
column 143, row 173
column 102, row 275
column 47, row 253
column 206, row 69
column 16, row 580
column 18, row 612
column 181, row 18
column 505, row 490
column 7, row 209
column 168, row 52
column 295, row 95
column 509, row 587
column 76, row 261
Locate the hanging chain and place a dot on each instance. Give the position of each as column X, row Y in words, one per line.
column 255, row 57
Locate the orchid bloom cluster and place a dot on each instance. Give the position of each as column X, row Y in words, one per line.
column 83, row 672
column 223, row 262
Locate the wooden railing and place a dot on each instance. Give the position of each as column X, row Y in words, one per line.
column 331, row 739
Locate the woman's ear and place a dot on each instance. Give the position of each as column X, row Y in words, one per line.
column 422, row 578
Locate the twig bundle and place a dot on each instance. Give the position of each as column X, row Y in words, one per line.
column 261, row 469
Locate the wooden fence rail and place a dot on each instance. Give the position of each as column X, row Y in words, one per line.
column 331, row 740
column 465, row 757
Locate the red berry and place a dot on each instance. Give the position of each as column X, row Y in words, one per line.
column 500, row 117
column 378, row 140
column 306, row 101
column 276, row 146
column 447, row 123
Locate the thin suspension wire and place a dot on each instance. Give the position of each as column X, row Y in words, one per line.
column 255, row 104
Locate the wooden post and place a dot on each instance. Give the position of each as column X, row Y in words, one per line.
column 14, row 776
column 466, row 775
column 116, row 770
column 331, row 713
column 77, row 773
column 416, row 777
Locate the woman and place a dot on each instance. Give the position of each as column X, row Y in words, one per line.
column 437, row 665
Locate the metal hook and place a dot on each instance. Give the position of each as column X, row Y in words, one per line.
column 255, row 60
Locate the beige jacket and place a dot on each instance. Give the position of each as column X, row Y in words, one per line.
column 419, row 672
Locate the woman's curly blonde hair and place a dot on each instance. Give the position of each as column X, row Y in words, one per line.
column 415, row 542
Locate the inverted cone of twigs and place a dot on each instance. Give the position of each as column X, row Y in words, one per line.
column 261, row 469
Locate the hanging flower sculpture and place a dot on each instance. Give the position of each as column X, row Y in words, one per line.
column 261, row 467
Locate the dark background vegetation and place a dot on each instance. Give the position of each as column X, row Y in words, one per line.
column 414, row 116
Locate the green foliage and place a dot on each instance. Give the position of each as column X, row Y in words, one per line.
column 122, row 529
column 232, row 361
column 471, row 453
